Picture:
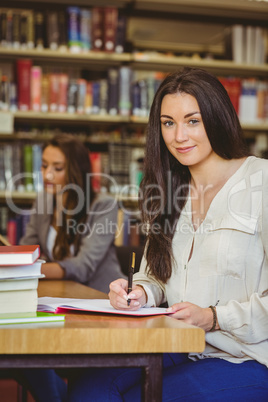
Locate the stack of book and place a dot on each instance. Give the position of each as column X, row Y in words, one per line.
column 20, row 270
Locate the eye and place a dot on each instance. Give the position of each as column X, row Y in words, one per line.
column 168, row 123
column 193, row 121
column 43, row 166
column 59, row 169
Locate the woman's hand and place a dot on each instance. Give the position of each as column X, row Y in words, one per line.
column 193, row 314
column 119, row 297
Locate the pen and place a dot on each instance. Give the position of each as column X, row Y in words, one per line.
column 130, row 275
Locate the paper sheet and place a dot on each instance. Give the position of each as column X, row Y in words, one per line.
column 58, row 304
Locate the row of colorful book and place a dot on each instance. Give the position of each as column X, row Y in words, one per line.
column 20, row 166
column 77, row 29
column 20, row 271
column 119, row 91
column 122, row 91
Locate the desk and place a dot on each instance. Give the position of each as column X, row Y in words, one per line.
column 98, row 340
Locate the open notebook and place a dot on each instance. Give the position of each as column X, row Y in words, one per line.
column 60, row 305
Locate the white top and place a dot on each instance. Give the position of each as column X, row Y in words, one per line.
column 229, row 265
column 51, row 237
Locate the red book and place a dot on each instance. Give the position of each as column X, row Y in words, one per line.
column 63, row 89
column 109, row 28
column 36, row 80
column 53, row 92
column 95, row 160
column 19, row 255
column 11, row 233
column 24, row 83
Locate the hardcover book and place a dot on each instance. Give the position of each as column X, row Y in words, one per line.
column 23, row 69
column 19, row 255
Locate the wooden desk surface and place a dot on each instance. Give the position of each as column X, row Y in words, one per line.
column 98, row 333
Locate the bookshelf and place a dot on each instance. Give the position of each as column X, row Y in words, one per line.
column 198, row 40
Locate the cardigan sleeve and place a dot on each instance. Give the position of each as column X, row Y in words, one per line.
column 97, row 235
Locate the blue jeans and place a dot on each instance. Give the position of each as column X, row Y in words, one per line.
column 183, row 380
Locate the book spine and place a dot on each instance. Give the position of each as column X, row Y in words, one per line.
column 16, row 30
column 44, row 92
column 9, row 28
column 81, row 95
column 74, row 41
column 63, row 30
column 36, row 79
column 113, row 91
column 103, row 101
column 72, row 96
column 95, row 160
column 52, row 30
column 30, row 30
column 97, row 28
column 85, row 30
column 28, row 166
column 63, row 89
column 39, row 24
column 89, row 98
column 120, row 39
column 23, row 69
column 23, row 29
column 3, row 220
column 53, row 92
column 110, row 16
column 4, row 93
column 125, row 81
column 12, row 231
column 3, row 28
column 37, row 163
column 95, row 97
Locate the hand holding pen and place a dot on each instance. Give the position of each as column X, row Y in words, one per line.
column 131, row 270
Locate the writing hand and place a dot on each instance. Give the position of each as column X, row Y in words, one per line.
column 193, row 314
column 118, row 295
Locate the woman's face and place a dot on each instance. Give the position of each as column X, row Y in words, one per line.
column 183, row 130
column 53, row 169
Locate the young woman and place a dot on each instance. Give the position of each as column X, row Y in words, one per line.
column 205, row 203
column 74, row 227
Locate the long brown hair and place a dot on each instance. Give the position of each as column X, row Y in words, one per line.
column 77, row 169
column 163, row 174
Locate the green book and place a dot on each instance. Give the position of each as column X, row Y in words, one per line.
column 28, row 318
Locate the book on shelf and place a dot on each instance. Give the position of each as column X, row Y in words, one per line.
column 113, row 91
column 21, row 271
column 12, row 233
column 125, row 80
column 63, row 30
column 110, row 16
column 85, row 29
column 97, row 28
column 36, row 80
column 52, row 30
column 53, row 92
column 74, row 41
column 19, row 255
column 18, row 301
column 28, row 166
column 23, row 70
column 120, row 39
column 103, row 306
column 39, row 30
column 62, row 95
column 29, row 318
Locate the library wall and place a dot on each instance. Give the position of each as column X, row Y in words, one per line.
column 92, row 69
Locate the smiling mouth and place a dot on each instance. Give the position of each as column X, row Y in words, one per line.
column 185, row 150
